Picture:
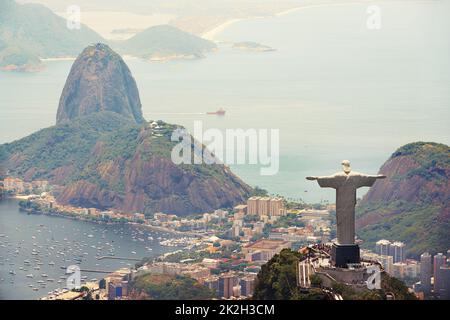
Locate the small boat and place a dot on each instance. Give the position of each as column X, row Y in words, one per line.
column 29, row 275
column 219, row 112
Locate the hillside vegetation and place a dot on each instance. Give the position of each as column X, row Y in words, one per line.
column 277, row 280
column 169, row 287
column 412, row 204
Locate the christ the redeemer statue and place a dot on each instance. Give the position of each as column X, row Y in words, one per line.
column 346, row 183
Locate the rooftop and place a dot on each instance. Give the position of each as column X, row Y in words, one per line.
column 268, row 244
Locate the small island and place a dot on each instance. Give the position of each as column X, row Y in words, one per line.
column 15, row 59
column 252, row 46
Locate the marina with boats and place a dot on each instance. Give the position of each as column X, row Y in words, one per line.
column 35, row 250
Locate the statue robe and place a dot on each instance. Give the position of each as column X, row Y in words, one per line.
column 346, row 185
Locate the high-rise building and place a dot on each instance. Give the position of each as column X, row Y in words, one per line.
column 425, row 272
column 387, row 262
column 226, row 284
column 252, row 205
column 439, row 261
column 397, row 251
column 263, row 206
column 444, row 292
column 277, row 207
column 247, row 285
column 382, row 247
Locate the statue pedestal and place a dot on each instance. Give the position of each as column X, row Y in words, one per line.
column 342, row 254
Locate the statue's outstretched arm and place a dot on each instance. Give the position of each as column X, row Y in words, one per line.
column 368, row 180
column 325, row 181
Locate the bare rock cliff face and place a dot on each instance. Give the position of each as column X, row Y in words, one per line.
column 157, row 185
column 99, row 81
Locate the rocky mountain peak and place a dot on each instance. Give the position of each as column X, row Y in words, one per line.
column 99, row 80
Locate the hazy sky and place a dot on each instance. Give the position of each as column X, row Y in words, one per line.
column 185, row 7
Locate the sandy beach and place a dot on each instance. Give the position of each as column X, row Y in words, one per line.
column 209, row 35
column 212, row 34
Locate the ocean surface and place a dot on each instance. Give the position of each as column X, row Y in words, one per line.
column 334, row 88
column 42, row 239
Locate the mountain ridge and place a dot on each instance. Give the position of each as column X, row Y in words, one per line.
column 412, row 203
column 30, row 32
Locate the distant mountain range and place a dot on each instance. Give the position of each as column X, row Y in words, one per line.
column 413, row 203
column 103, row 154
column 29, row 32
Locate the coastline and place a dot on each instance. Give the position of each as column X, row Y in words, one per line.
column 22, row 197
column 86, row 218
column 58, row 59
column 212, row 33
column 310, row 6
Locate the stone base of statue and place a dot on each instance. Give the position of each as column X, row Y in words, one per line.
column 343, row 254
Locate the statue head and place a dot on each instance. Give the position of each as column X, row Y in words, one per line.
column 346, row 166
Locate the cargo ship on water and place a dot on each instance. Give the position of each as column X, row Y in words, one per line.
column 219, row 112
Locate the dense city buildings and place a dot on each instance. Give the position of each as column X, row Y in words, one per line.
column 397, row 251
column 264, row 249
column 16, row 185
column 266, row 206
column 394, row 249
column 255, row 231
